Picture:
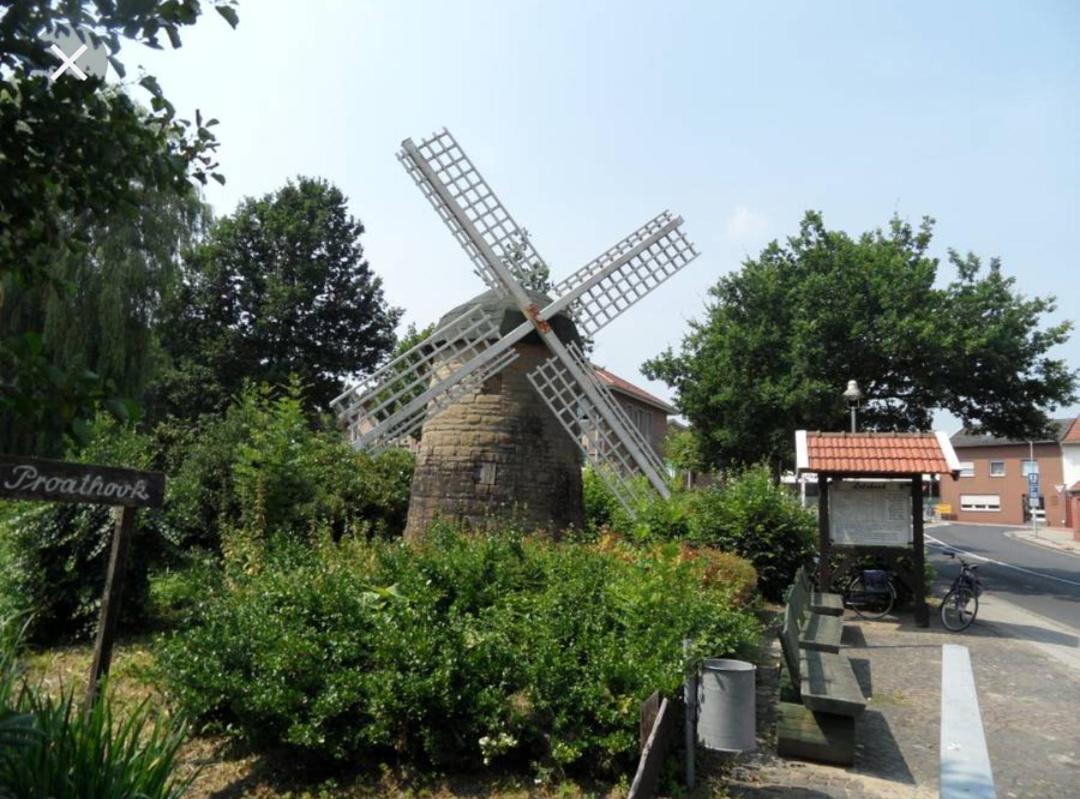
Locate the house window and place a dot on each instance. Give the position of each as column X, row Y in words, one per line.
column 967, row 469
column 980, row 502
column 997, row 468
column 643, row 421
column 1029, row 467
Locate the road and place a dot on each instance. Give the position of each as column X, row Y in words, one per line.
column 1042, row 581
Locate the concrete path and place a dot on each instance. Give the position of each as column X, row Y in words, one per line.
column 1028, row 681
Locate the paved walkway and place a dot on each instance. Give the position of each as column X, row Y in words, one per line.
column 1049, row 537
column 1029, row 699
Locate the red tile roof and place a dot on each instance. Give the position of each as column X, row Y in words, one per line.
column 1075, row 486
column 1073, row 436
column 626, row 387
column 876, row 453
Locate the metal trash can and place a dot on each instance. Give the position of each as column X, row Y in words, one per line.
column 727, row 705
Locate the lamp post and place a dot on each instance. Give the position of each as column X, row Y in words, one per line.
column 853, row 396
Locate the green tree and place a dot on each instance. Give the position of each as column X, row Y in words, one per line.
column 279, row 288
column 79, row 156
column 783, row 335
column 103, row 321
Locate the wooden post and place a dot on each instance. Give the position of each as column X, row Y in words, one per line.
column 110, row 601
column 649, row 710
column 824, row 549
column 657, row 742
column 690, row 689
column 918, row 559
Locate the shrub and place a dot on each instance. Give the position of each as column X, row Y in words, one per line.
column 759, row 520
column 263, row 467
column 53, row 556
column 655, row 518
column 179, row 591
column 458, row 650
column 727, row 569
column 602, row 509
column 48, row 747
column 747, row 515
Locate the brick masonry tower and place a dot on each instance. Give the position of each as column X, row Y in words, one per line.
column 498, row 455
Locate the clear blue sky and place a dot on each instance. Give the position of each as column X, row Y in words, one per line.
column 590, row 117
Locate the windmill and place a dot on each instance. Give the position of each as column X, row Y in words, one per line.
column 479, row 342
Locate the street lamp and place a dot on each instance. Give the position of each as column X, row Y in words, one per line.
column 853, row 395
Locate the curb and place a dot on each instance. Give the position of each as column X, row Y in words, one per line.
column 1043, row 543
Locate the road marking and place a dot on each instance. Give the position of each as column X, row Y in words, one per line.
column 1004, row 565
column 68, row 63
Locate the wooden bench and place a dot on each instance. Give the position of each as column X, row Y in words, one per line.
column 822, row 725
column 816, row 630
column 820, row 602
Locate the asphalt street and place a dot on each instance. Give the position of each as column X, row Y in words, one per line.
column 1040, row 580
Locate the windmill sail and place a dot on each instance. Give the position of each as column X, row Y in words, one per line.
column 387, row 405
column 468, row 206
column 608, row 285
column 617, row 450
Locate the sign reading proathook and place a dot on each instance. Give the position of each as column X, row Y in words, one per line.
column 53, row 481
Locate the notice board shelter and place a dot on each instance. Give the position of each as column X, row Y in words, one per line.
column 871, row 494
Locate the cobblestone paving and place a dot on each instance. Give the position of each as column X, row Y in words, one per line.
column 1030, row 708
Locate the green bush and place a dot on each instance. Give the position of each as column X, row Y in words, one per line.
column 53, row 556
column 747, row 514
column 50, row 748
column 180, row 590
column 602, row 509
column 655, row 518
column 262, row 466
column 759, row 520
column 461, row 650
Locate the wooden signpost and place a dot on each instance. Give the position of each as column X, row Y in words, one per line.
column 126, row 489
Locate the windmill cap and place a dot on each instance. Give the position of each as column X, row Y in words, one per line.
column 505, row 308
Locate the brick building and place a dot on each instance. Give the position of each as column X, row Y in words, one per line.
column 993, row 482
column 649, row 414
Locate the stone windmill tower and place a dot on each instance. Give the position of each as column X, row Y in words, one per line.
column 507, row 402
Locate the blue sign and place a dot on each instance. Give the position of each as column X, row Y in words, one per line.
column 1033, row 485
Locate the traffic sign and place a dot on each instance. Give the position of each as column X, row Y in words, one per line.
column 1033, row 485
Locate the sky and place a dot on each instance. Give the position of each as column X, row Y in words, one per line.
column 588, row 118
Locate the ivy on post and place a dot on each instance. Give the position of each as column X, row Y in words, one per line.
column 37, row 479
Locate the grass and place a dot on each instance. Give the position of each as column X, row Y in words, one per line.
column 225, row 770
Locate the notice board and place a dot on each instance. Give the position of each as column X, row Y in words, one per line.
column 870, row 513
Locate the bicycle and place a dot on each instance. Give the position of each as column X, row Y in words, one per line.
column 870, row 593
column 961, row 604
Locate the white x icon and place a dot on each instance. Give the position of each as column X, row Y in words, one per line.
column 68, row 63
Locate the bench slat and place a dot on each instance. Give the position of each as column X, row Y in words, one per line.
column 821, row 633
column 828, row 684
column 819, row 601
column 827, row 604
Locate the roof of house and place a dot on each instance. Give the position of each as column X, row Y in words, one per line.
column 616, row 383
column 875, row 453
column 1073, row 436
column 1061, row 430
column 1075, row 486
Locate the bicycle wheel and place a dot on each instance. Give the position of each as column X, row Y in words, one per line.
column 869, row 604
column 958, row 609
